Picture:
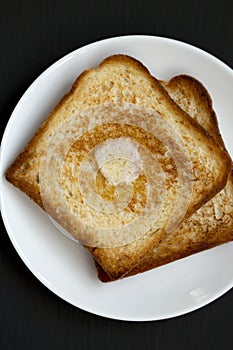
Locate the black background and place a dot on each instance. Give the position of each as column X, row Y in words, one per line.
column 33, row 35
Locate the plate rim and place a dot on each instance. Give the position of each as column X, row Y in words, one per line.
column 2, row 180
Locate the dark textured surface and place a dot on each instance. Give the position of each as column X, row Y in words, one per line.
column 33, row 35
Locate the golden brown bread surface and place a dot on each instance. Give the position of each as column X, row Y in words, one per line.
column 212, row 224
column 122, row 81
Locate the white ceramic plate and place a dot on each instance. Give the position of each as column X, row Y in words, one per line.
column 64, row 266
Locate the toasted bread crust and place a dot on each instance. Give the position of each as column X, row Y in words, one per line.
column 23, row 173
column 200, row 94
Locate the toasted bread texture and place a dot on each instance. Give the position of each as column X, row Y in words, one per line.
column 212, row 224
column 123, row 86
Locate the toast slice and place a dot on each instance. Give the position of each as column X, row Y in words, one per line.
column 120, row 88
column 212, row 224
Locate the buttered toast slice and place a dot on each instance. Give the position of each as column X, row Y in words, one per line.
column 119, row 103
column 212, row 224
